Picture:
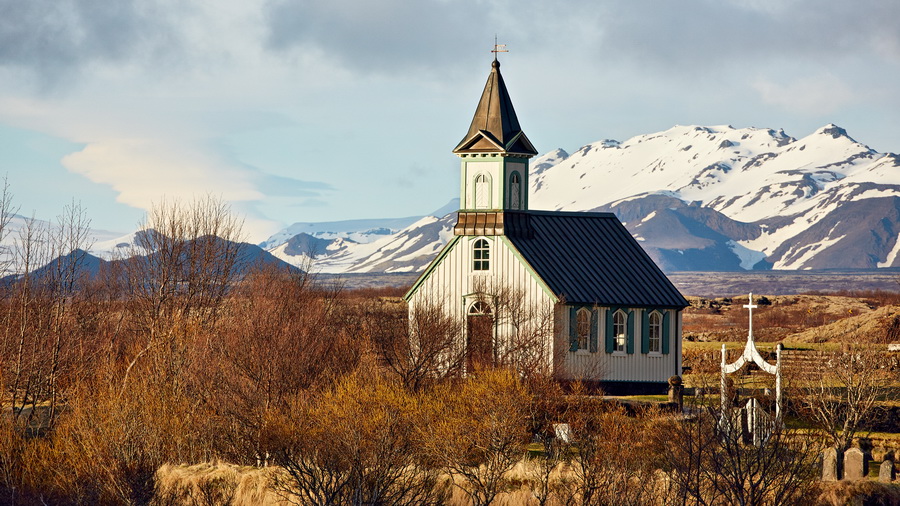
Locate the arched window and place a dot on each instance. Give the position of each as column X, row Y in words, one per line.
column 655, row 333
column 620, row 326
column 583, row 328
column 482, row 191
column 479, row 336
column 481, row 255
column 515, row 191
column 480, row 308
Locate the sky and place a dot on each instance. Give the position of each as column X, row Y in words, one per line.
column 311, row 111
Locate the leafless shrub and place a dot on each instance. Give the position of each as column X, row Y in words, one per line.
column 354, row 444
column 420, row 347
column 707, row 462
column 840, row 390
column 476, row 430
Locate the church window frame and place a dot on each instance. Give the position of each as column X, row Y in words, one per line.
column 655, row 331
column 481, row 255
column 583, row 328
column 515, row 191
column 620, row 332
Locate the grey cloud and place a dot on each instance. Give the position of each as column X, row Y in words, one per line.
column 389, row 35
column 55, row 38
column 704, row 32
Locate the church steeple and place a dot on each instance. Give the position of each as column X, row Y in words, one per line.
column 494, row 161
column 495, row 127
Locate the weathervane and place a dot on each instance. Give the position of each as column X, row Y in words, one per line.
column 498, row 48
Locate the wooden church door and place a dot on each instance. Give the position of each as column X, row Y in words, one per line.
column 480, row 336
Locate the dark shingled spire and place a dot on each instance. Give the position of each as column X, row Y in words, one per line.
column 495, row 127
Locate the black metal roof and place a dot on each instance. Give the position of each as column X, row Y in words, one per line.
column 590, row 258
column 495, row 127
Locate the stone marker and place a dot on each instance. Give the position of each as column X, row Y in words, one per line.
column 830, row 465
column 676, row 392
column 886, row 472
column 856, row 464
column 563, row 432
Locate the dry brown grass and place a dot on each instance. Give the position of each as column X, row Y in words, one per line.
column 725, row 319
column 216, row 483
column 862, row 492
column 865, row 327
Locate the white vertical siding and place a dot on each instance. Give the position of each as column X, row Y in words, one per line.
column 621, row 366
column 453, row 284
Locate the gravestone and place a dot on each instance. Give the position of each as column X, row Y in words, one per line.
column 563, row 432
column 856, row 464
column 886, row 472
column 830, row 465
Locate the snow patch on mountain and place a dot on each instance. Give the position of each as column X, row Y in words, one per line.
column 892, row 255
column 748, row 257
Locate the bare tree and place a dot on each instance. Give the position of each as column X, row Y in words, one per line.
column 281, row 334
column 420, row 346
column 523, row 330
column 183, row 261
column 356, row 444
column 841, row 390
column 47, row 260
column 69, row 242
column 708, row 462
column 477, row 431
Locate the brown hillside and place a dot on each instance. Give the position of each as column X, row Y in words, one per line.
column 866, row 317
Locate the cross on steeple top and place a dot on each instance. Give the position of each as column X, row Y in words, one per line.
column 498, row 48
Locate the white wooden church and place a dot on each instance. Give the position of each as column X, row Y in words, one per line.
column 575, row 284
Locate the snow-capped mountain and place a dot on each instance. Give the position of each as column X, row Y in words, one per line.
column 698, row 198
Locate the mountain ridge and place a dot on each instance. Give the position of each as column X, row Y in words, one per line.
column 701, row 198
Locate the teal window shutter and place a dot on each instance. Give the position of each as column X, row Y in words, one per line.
column 665, row 332
column 610, row 338
column 595, row 316
column 629, row 334
column 573, row 329
column 645, row 331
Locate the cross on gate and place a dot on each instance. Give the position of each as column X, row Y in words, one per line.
column 751, row 306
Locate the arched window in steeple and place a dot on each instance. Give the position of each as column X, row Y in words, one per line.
column 482, row 191
column 515, row 191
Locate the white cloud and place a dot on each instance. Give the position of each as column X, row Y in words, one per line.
column 819, row 95
column 143, row 170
